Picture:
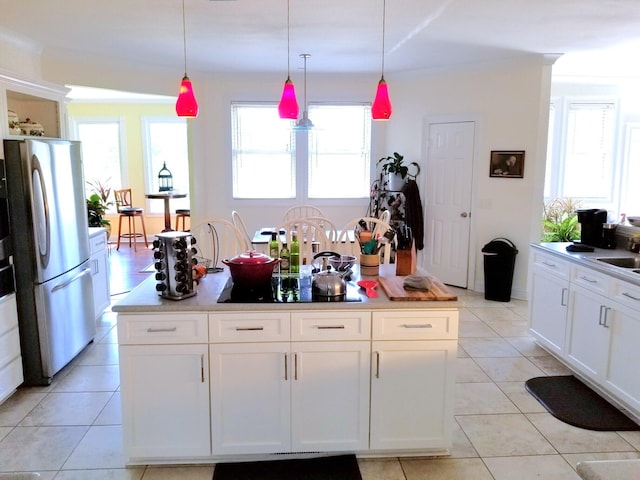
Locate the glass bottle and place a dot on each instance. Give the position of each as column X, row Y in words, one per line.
column 274, row 248
column 294, row 264
column 285, row 258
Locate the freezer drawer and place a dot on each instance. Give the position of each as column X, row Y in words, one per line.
column 66, row 321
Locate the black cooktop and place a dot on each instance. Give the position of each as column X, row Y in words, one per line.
column 283, row 289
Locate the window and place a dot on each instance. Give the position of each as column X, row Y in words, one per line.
column 165, row 142
column 272, row 160
column 581, row 163
column 101, row 150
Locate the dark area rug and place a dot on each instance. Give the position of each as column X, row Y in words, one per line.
column 573, row 402
column 341, row 467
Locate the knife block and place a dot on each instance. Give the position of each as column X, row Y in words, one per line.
column 406, row 261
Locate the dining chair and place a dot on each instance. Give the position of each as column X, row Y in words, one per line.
column 347, row 247
column 311, row 235
column 385, row 217
column 181, row 215
column 126, row 210
column 301, row 211
column 238, row 222
column 217, row 239
column 330, row 228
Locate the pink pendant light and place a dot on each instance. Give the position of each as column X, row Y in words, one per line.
column 186, row 105
column 288, row 107
column 381, row 107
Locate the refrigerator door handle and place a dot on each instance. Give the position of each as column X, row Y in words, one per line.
column 41, row 211
column 60, row 286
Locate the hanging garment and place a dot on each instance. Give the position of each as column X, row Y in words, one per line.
column 413, row 212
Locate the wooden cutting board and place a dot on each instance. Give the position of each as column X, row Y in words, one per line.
column 392, row 286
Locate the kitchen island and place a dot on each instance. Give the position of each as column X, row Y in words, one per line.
column 203, row 381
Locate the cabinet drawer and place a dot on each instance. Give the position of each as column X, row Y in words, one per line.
column 98, row 242
column 552, row 264
column 8, row 313
column 249, row 327
column 331, row 325
column 626, row 293
column 11, row 377
column 9, row 346
column 415, row 325
column 162, row 328
column 590, row 279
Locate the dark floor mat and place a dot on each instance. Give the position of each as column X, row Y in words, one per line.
column 573, row 402
column 342, row 467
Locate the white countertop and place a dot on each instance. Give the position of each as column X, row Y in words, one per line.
column 145, row 298
column 589, row 259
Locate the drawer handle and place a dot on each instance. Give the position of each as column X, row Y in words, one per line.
column 249, row 329
column 330, row 327
column 417, row 325
column 157, row 330
column 587, row 279
column 549, row 264
column 563, row 301
column 628, row 295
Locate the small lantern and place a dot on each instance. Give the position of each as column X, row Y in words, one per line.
column 165, row 179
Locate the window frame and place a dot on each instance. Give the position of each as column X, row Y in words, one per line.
column 301, row 140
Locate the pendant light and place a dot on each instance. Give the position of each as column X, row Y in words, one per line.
column 305, row 122
column 381, row 108
column 288, row 107
column 186, row 105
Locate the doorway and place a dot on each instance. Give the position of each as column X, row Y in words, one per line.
column 448, row 184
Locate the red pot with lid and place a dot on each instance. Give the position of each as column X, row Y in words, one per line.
column 251, row 269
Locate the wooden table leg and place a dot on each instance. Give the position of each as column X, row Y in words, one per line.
column 167, row 216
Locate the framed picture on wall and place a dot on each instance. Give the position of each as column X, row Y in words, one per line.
column 507, row 163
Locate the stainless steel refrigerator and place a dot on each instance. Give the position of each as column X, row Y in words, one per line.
column 48, row 216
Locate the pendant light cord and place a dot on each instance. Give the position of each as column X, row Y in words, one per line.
column 184, row 39
column 288, row 43
column 384, row 17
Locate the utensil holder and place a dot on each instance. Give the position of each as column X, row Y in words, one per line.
column 369, row 265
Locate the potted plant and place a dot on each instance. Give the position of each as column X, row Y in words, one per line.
column 396, row 170
column 97, row 205
column 560, row 220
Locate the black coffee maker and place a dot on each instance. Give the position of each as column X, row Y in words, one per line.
column 591, row 221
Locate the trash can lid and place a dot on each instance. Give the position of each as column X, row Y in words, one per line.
column 500, row 245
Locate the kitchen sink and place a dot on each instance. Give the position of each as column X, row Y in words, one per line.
column 625, row 262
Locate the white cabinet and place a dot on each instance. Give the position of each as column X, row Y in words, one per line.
column 11, row 375
column 38, row 101
column 271, row 395
column 549, row 299
column 164, row 378
column 412, row 379
column 99, row 264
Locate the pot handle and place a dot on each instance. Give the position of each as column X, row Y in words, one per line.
column 326, row 253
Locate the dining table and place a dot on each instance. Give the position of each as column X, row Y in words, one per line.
column 262, row 236
column 166, row 196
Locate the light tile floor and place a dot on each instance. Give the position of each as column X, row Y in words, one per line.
column 71, row 430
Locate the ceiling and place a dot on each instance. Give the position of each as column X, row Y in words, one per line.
column 340, row 35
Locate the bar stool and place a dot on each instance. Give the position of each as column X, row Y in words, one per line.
column 126, row 210
column 181, row 214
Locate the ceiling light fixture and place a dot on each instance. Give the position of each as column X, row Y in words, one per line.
column 305, row 122
column 288, row 107
column 381, row 108
column 186, row 105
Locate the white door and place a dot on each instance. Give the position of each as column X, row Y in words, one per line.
column 250, row 398
column 449, row 170
column 166, row 408
column 330, row 396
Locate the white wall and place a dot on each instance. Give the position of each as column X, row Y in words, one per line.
column 509, row 101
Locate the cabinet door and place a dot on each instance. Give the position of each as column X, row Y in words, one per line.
column 250, row 398
column 165, row 400
column 330, row 396
column 621, row 375
column 588, row 340
column 99, row 264
column 548, row 309
column 412, row 394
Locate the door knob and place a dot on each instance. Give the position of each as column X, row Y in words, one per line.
column 463, row 214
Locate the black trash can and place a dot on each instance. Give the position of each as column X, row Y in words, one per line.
column 499, row 261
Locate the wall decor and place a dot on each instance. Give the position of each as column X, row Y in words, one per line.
column 507, row 163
